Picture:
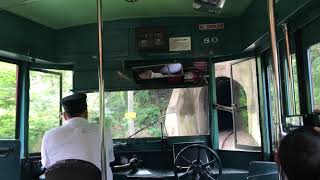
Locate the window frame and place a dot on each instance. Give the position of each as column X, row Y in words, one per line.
column 248, row 148
column 243, row 148
column 311, row 76
column 296, row 114
column 52, row 72
column 154, row 144
column 149, row 139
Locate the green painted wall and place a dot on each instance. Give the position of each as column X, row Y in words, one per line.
column 25, row 37
column 255, row 20
column 254, row 23
column 311, row 34
column 60, row 14
column 80, row 43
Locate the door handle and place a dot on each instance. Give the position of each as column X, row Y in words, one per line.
column 5, row 151
column 224, row 108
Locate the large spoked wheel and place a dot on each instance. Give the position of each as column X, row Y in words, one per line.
column 205, row 163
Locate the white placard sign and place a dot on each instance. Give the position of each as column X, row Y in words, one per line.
column 180, row 44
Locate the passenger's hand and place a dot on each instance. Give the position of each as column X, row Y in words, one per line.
column 317, row 129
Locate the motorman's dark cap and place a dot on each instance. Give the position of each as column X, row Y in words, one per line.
column 76, row 103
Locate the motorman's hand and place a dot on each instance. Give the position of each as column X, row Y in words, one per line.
column 134, row 163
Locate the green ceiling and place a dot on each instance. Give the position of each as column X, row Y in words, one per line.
column 66, row 13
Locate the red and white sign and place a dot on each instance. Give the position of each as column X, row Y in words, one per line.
column 204, row 27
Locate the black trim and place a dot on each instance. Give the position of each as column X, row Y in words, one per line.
column 301, row 72
column 19, row 87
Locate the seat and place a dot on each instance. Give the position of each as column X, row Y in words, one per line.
column 10, row 160
column 73, row 169
column 262, row 170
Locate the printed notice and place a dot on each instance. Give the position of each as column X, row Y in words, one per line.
column 216, row 26
column 180, row 44
column 130, row 115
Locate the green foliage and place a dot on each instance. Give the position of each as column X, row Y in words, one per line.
column 44, row 104
column 295, row 84
column 272, row 90
column 315, row 67
column 147, row 111
column 116, row 103
column 7, row 100
column 243, row 113
column 149, row 106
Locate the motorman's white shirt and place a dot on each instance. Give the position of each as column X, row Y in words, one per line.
column 76, row 139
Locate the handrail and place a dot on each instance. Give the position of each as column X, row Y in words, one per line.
column 275, row 64
column 5, row 151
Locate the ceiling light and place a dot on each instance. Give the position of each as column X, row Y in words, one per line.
column 131, row 0
column 29, row 1
column 211, row 6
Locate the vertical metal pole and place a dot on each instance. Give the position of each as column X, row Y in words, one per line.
column 60, row 105
column 101, row 90
column 289, row 67
column 275, row 63
column 131, row 129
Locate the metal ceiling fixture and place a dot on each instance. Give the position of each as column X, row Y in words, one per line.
column 211, row 6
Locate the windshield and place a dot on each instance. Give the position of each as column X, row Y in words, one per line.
column 149, row 113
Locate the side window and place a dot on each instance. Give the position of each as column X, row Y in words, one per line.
column 8, row 80
column 293, row 119
column 314, row 58
column 295, row 85
column 292, row 86
column 44, row 107
column 273, row 113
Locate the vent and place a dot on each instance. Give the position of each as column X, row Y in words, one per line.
column 9, row 4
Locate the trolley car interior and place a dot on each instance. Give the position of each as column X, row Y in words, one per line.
column 201, row 74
